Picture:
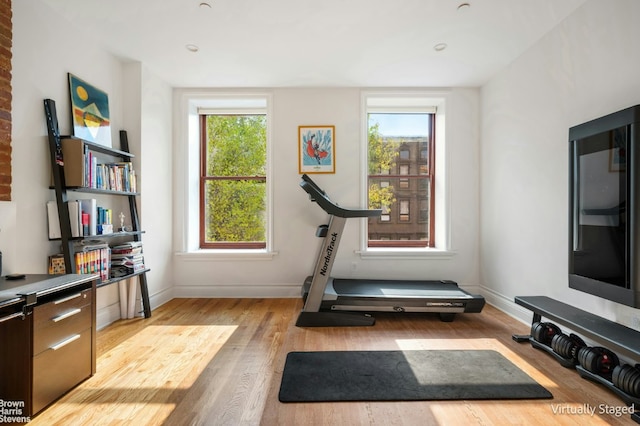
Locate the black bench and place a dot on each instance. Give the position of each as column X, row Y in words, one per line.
column 620, row 339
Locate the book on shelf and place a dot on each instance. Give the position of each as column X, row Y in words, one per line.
column 127, row 259
column 93, row 258
column 91, row 163
column 130, row 247
column 53, row 220
column 56, row 264
column 117, row 176
column 119, row 271
column 85, row 168
column 135, row 261
column 90, row 222
column 85, row 216
column 75, row 218
column 104, row 221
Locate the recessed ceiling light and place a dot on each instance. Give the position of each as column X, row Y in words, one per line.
column 205, row 5
column 464, row 6
column 440, row 47
column 192, row 48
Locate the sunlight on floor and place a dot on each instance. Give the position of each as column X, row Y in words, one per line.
column 478, row 344
column 156, row 366
column 482, row 411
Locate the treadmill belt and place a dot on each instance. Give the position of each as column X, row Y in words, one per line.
column 390, row 288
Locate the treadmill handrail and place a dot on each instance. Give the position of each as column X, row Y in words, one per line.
column 319, row 196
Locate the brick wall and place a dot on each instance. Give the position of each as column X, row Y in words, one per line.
column 6, row 35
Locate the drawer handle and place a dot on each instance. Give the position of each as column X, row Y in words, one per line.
column 67, row 315
column 65, row 342
column 12, row 316
column 66, row 299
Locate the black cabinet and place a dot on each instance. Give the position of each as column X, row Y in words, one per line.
column 48, row 330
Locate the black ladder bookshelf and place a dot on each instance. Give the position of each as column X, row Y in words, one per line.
column 57, row 167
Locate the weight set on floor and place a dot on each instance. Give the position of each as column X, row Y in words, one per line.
column 567, row 346
column 543, row 332
column 627, row 379
column 598, row 360
column 595, row 359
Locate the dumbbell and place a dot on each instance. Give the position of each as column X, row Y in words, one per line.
column 543, row 332
column 567, row 346
column 598, row 360
column 627, row 379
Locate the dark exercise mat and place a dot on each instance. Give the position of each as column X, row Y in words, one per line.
column 404, row 376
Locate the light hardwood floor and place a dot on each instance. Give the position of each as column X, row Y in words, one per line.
column 219, row 362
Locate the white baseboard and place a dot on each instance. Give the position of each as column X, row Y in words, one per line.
column 260, row 291
column 238, row 291
column 111, row 313
column 506, row 305
column 107, row 315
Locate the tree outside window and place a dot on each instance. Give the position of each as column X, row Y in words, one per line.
column 401, row 178
column 233, row 181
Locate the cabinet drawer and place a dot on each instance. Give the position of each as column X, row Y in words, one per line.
column 56, row 371
column 61, row 327
column 15, row 359
column 53, row 312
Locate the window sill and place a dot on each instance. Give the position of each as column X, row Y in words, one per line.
column 208, row 255
column 405, row 253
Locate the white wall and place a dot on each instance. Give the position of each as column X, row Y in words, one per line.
column 508, row 194
column 584, row 68
column 45, row 49
column 148, row 111
column 296, row 219
column 156, row 169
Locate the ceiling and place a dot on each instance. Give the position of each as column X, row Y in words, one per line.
column 304, row 43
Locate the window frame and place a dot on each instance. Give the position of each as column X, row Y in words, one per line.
column 405, row 178
column 190, row 103
column 410, row 100
column 204, row 178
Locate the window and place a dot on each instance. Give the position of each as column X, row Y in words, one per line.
column 424, row 151
column 404, row 171
column 405, row 153
column 384, row 217
column 401, row 154
column 233, row 190
column 424, row 210
column 404, row 211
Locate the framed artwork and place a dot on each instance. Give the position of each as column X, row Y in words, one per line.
column 317, row 149
column 89, row 112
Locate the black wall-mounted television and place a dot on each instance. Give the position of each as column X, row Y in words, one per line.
column 604, row 185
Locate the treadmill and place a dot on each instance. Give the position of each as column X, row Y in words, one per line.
column 349, row 302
